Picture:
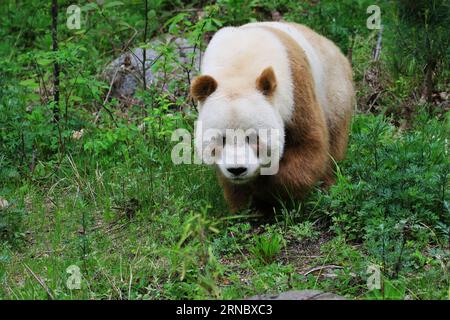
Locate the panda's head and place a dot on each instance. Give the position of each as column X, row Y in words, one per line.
column 238, row 131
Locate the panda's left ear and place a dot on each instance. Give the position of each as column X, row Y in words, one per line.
column 202, row 87
column 267, row 82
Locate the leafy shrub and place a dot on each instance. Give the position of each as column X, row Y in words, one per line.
column 267, row 246
column 340, row 21
column 423, row 23
column 392, row 186
column 303, row 230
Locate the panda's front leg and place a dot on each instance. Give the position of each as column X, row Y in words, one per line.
column 300, row 168
column 238, row 197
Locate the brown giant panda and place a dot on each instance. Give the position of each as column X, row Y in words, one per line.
column 277, row 77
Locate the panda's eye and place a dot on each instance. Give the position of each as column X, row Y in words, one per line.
column 224, row 140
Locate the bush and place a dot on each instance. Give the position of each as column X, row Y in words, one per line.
column 392, row 188
column 424, row 24
column 267, row 247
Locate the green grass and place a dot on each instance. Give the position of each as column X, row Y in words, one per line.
column 147, row 229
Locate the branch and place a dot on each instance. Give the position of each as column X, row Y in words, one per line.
column 41, row 282
column 377, row 51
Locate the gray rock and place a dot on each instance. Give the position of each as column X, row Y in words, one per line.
column 126, row 72
column 298, row 295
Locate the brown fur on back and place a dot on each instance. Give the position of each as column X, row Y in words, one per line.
column 338, row 125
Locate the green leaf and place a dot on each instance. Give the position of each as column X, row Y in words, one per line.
column 43, row 61
column 113, row 4
column 90, row 6
column 145, row 45
column 29, row 83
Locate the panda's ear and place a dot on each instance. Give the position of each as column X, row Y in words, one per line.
column 267, row 82
column 202, row 87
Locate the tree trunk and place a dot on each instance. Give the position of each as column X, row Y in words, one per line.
column 55, row 64
column 145, row 43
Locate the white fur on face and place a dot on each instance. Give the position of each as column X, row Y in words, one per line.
column 238, row 161
column 246, row 124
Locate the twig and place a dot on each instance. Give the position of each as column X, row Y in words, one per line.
column 331, row 266
column 41, row 80
column 127, row 45
column 41, row 282
column 350, row 48
column 188, row 71
column 107, row 97
column 378, row 94
column 107, row 110
column 130, row 282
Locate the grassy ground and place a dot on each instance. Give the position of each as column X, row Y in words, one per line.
column 143, row 228
column 110, row 203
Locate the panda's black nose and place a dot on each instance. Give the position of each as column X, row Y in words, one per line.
column 237, row 171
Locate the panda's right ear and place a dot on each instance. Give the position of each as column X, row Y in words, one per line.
column 202, row 87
